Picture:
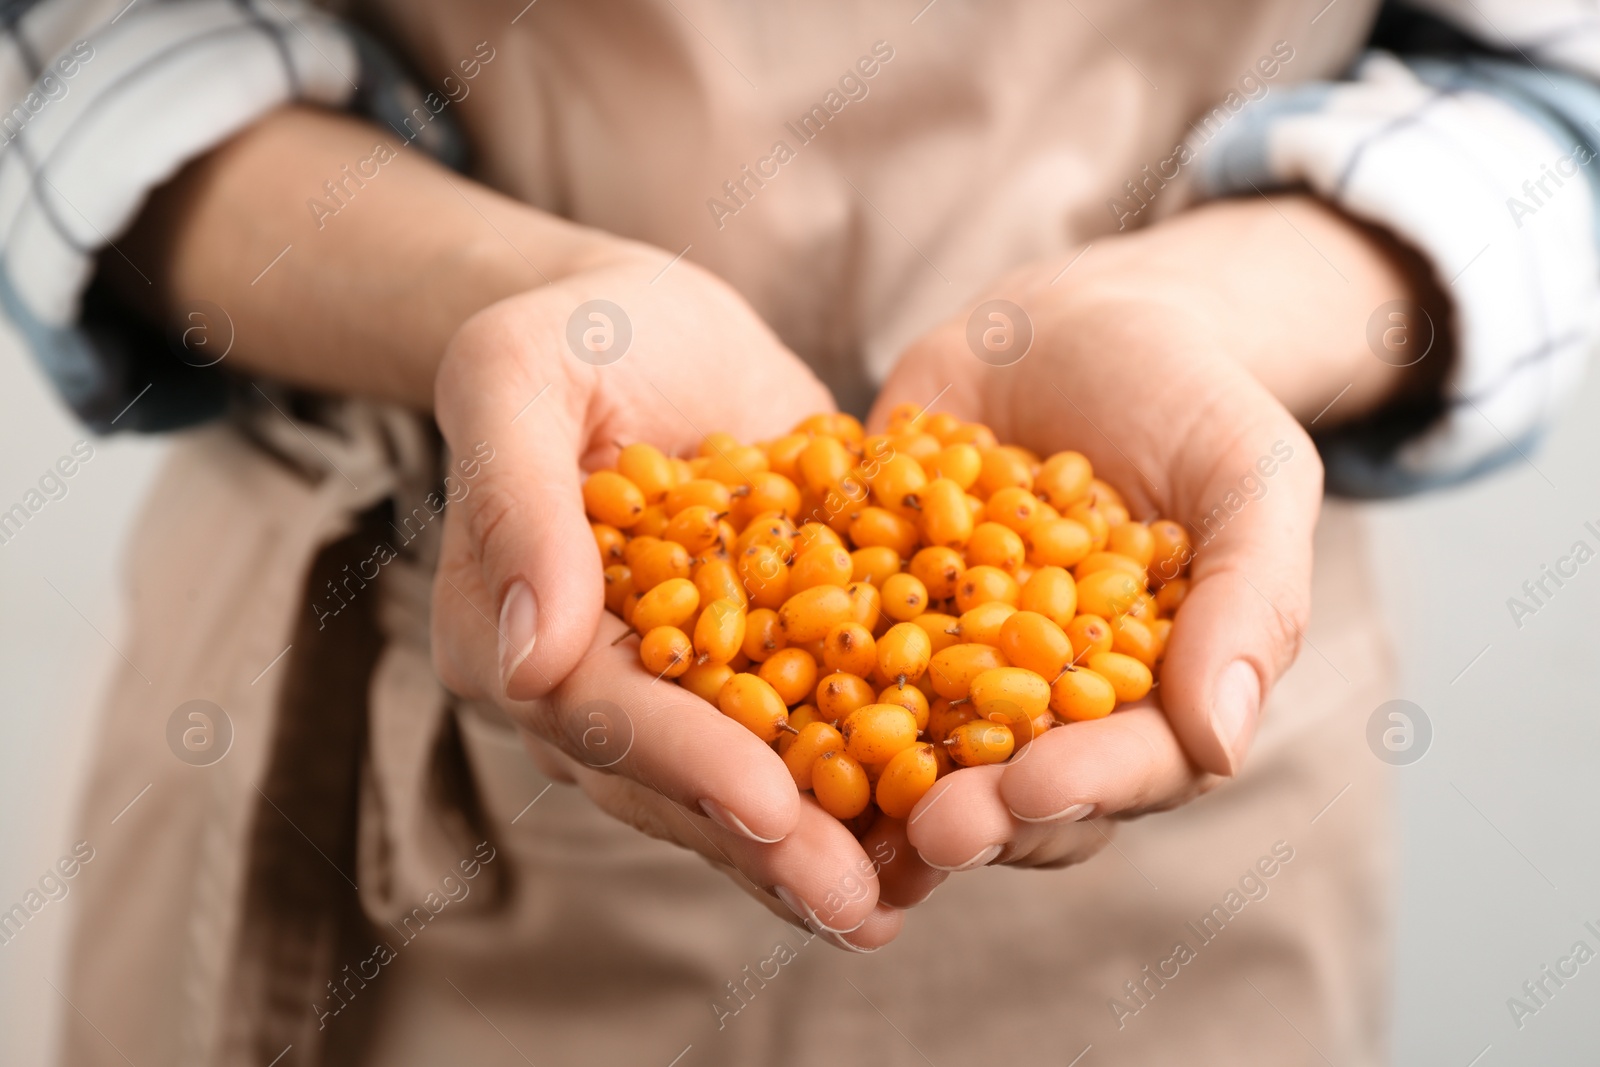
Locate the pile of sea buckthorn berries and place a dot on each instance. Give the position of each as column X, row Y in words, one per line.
column 885, row 609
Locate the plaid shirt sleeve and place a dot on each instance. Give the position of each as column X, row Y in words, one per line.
column 1471, row 131
column 107, row 100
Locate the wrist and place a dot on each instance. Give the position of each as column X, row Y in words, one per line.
column 1286, row 287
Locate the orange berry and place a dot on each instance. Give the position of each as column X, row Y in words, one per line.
column 1130, row 679
column 942, row 513
column 866, row 605
column 983, row 623
column 765, row 575
column 1003, row 467
column 874, row 733
column 804, row 749
column 994, row 545
column 1080, row 694
column 1051, row 592
column 1110, row 561
column 839, row 694
column 980, row 742
column 849, row 647
column 904, row 652
column 1005, row 693
column 840, row 785
column 1134, row 540
column 719, row 632
column 1058, row 542
column 1034, row 641
column 877, row 527
column 763, row 635
column 907, row 778
column 697, row 527
column 610, row 498
column 942, row 630
column 1064, row 479
column 938, row 568
column 1170, row 597
column 982, row 584
column 701, row 492
column 874, row 564
column 1132, row 637
column 823, row 565
column 610, row 541
column 718, row 579
column 1013, row 507
column 909, row 697
column 648, row 469
column 824, row 462
column 1089, row 634
column 953, row 670
column 619, row 583
column 666, row 652
column 705, row 680
column 1170, row 550
column 809, row 615
column 659, row 562
column 755, row 705
column 1108, row 593
column 1092, row 520
column 792, row 673
column 944, row 717
column 672, row 603
column 904, row 597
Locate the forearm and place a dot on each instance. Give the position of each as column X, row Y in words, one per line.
column 369, row 290
column 1287, row 287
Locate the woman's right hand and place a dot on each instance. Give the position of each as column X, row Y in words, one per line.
column 518, row 613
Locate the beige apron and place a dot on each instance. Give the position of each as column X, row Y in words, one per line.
column 362, row 879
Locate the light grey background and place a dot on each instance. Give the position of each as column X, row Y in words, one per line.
column 1498, row 860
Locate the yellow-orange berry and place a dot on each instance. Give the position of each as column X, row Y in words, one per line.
column 666, row 652
column 909, row 775
column 755, row 705
column 610, row 498
column 874, row 733
column 807, row 747
column 980, row 742
column 792, row 673
column 840, row 785
column 1080, row 694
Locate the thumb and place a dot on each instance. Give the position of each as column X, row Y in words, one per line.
column 1241, row 624
column 524, row 518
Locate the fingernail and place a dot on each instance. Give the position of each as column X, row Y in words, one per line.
column 517, row 616
column 1235, row 710
column 979, row 860
column 729, row 821
column 802, row 909
column 1072, row 813
column 839, row 942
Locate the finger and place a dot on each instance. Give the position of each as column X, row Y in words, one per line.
column 1249, row 596
column 962, row 823
column 524, row 513
column 1127, row 763
column 818, row 875
column 612, row 715
column 904, row 881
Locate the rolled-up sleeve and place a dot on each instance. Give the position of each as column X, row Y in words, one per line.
column 107, row 100
column 1473, row 136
